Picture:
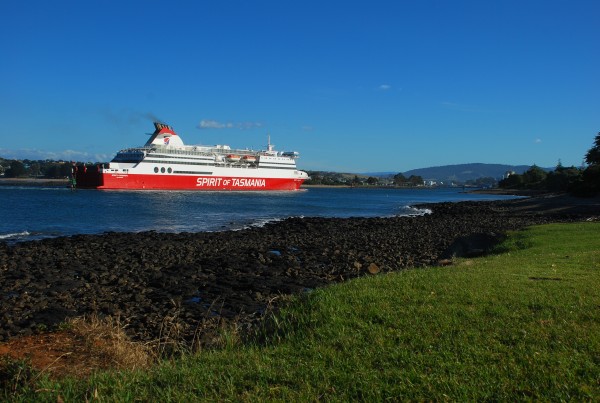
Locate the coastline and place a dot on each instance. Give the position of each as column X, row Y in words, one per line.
column 235, row 276
column 32, row 182
column 514, row 192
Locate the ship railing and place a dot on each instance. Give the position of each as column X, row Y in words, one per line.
column 134, row 149
column 238, row 165
column 237, row 151
column 209, row 151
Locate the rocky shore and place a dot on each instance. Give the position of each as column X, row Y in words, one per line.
column 177, row 283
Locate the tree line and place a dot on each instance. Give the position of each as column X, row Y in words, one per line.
column 584, row 181
column 35, row 169
column 340, row 179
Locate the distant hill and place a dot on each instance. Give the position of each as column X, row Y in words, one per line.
column 465, row 172
column 459, row 174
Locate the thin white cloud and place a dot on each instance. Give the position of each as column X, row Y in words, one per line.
column 385, row 87
column 211, row 124
column 538, row 141
column 214, row 124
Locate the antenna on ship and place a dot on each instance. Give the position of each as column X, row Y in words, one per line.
column 269, row 145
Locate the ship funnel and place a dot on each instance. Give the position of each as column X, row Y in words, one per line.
column 164, row 136
column 159, row 126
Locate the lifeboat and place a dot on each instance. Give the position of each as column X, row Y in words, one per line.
column 232, row 157
column 249, row 159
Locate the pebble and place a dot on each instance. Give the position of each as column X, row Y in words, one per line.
column 144, row 277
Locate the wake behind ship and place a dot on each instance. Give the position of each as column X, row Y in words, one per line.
column 166, row 163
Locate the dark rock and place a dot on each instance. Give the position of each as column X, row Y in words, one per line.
column 228, row 276
column 472, row 245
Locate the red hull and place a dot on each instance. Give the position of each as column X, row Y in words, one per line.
column 97, row 180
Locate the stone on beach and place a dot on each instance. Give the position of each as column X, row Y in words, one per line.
column 147, row 277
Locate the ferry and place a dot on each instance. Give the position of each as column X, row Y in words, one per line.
column 166, row 163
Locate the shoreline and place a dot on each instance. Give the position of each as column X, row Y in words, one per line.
column 236, row 276
column 44, row 182
column 33, row 182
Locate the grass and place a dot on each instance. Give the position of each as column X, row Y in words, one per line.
column 107, row 337
column 520, row 324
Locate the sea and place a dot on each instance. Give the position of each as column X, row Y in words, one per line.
column 33, row 213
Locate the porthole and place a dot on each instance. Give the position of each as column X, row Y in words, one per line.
column 162, row 170
column 155, row 170
column 169, row 170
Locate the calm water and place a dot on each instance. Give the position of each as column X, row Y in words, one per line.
column 34, row 213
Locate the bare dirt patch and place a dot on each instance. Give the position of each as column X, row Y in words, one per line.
column 87, row 346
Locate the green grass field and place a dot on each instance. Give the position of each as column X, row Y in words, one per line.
column 520, row 324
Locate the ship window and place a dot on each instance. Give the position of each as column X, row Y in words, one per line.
column 162, row 170
column 155, row 170
column 169, row 170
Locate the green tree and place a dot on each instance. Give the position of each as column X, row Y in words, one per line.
column 372, row 180
column 592, row 157
column 52, row 171
column 35, row 169
column 589, row 183
column 534, row 177
column 399, row 180
column 415, row 180
column 514, row 181
column 562, row 179
column 591, row 177
column 315, row 179
column 16, row 170
column 482, row 182
column 57, row 170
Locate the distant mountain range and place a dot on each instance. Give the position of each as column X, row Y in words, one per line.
column 462, row 172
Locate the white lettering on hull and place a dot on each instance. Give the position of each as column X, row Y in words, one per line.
column 231, row 183
column 208, row 182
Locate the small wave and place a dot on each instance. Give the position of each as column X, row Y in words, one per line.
column 261, row 222
column 25, row 236
column 15, row 235
column 414, row 212
column 264, row 221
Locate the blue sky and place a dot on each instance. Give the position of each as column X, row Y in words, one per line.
column 361, row 86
